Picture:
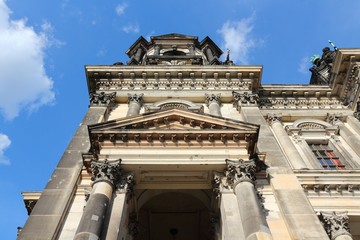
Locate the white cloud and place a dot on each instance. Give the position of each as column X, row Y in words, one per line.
column 120, row 8
column 237, row 37
column 131, row 28
column 304, row 66
column 23, row 80
column 4, row 143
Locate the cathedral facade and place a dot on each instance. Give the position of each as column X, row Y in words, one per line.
column 177, row 144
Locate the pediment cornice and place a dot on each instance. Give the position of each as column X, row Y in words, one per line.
column 174, row 127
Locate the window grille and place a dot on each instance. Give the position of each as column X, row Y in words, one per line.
column 326, row 157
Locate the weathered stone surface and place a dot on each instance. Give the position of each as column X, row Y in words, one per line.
column 40, row 227
column 52, row 202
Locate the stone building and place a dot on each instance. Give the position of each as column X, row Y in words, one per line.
column 177, row 144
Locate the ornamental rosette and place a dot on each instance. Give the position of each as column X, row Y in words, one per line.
column 240, row 171
column 108, row 171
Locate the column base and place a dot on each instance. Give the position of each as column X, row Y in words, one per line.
column 86, row 236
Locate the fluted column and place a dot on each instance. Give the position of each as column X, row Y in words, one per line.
column 105, row 174
column 351, row 138
column 336, row 225
column 288, row 147
column 135, row 102
column 213, row 103
column 241, row 176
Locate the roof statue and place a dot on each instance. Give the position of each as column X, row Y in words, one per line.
column 321, row 69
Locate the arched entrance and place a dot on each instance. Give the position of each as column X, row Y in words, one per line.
column 174, row 215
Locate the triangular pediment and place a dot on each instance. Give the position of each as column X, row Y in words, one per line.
column 174, row 119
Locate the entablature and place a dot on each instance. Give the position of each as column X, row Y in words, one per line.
column 179, row 78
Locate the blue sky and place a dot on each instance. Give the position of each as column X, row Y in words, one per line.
column 45, row 45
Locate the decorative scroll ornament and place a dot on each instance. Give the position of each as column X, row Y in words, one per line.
column 335, row 223
column 240, row 171
column 272, row 118
column 108, row 171
column 102, row 98
column 136, row 98
column 212, row 98
column 245, row 98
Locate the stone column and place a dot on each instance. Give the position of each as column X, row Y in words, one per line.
column 336, row 225
column 116, row 227
column 105, row 174
column 213, row 103
column 288, row 147
column 241, row 176
column 135, row 102
column 351, row 138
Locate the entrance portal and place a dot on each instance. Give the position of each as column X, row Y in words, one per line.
column 174, row 215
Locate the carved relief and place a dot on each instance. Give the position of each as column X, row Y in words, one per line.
column 272, row 118
column 239, row 171
column 108, row 171
column 335, row 224
column 102, row 98
column 135, row 98
column 333, row 118
column 245, row 99
column 212, row 98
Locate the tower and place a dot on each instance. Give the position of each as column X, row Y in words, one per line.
column 177, row 144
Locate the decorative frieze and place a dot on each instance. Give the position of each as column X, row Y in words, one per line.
column 102, row 98
column 300, row 103
column 340, row 188
column 108, row 171
column 335, row 224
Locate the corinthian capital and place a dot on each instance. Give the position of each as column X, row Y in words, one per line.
column 245, row 98
column 335, row 224
column 102, row 98
column 333, row 118
column 273, row 118
column 212, row 98
column 240, row 171
column 135, row 98
column 108, row 171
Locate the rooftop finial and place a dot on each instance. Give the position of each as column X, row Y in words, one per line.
column 228, row 55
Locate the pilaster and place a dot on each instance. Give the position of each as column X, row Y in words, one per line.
column 213, row 103
column 135, row 102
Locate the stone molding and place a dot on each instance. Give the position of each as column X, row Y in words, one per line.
column 335, row 223
column 138, row 98
column 174, row 103
column 357, row 111
column 351, row 84
column 102, row 98
column 340, row 187
column 300, row 103
column 212, row 98
column 108, row 171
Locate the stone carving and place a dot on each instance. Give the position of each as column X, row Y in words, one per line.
column 300, row 103
column 333, row 118
column 135, row 98
column 272, row 118
column 127, row 183
column 351, row 84
column 108, row 171
column 239, row 171
column 245, row 98
column 311, row 125
column 212, row 98
column 335, row 224
column 102, row 98
column 216, row 184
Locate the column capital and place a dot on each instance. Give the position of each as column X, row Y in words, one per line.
column 335, row 223
column 333, row 118
column 105, row 171
column 238, row 171
column 273, row 118
column 102, row 98
column 212, row 98
column 136, row 98
column 245, row 99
